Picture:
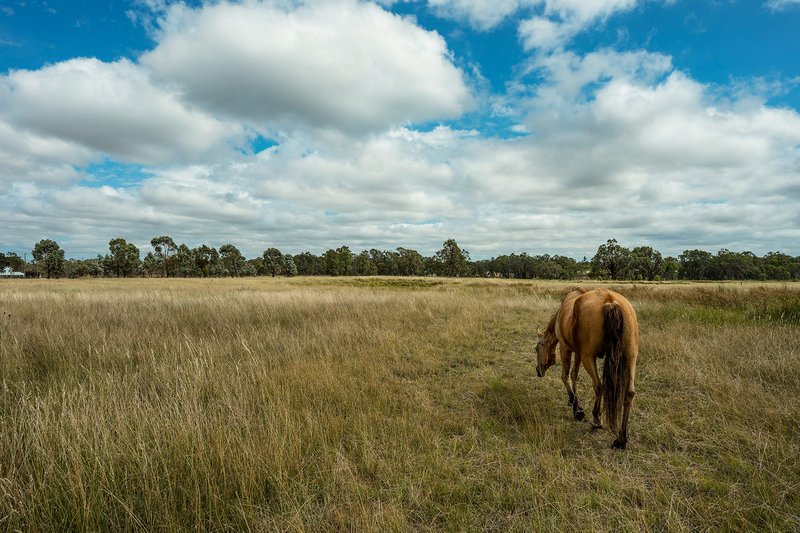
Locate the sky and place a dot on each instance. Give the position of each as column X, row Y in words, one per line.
column 538, row 126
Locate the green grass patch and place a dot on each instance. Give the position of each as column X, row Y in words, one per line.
column 785, row 310
column 696, row 314
column 384, row 282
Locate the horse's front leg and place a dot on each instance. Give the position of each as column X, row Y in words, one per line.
column 572, row 389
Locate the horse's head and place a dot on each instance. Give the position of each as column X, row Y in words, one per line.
column 545, row 352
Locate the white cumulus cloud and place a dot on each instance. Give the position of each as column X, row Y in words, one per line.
column 25, row 156
column 780, row 5
column 112, row 108
column 347, row 66
column 481, row 14
column 563, row 19
column 552, row 23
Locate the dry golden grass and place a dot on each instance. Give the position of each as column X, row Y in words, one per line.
column 385, row 404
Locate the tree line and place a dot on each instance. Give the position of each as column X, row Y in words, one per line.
column 612, row 261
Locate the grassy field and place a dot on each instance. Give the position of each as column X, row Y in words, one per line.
column 386, row 404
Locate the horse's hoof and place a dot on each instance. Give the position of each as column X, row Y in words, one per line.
column 597, row 426
column 579, row 415
column 619, row 445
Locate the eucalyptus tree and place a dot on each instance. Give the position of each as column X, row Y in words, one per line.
column 646, row 263
column 611, row 261
column 49, row 257
column 165, row 250
column 231, row 260
column 452, row 260
column 274, row 262
column 122, row 259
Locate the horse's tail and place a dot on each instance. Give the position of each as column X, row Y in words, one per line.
column 616, row 374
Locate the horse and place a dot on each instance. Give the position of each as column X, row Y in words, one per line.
column 595, row 324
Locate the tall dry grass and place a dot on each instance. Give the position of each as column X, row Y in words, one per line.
column 385, row 404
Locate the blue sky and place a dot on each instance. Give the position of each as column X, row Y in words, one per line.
column 545, row 126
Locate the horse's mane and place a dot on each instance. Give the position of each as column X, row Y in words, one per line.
column 551, row 326
column 549, row 335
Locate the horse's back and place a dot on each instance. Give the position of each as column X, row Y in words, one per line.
column 589, row 317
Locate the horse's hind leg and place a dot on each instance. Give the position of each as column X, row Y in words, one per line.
column 590, row 364
column 571, row 385
column 622, row 438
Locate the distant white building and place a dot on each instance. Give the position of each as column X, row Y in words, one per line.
column 8, row 273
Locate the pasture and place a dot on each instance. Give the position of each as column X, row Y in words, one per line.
column 386, row 404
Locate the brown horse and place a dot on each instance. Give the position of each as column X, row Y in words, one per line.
column 599, row 323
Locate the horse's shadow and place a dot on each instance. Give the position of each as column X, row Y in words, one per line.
column 534, row 413
column 510, row 403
